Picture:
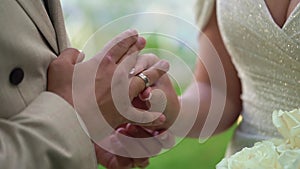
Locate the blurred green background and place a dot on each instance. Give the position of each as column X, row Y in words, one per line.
column 83, row 18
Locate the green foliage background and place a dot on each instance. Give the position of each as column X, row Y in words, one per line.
column 190, row 154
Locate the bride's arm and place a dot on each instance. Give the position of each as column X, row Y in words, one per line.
column 233, row 103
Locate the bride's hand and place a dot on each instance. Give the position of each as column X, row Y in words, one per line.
column 153, row 93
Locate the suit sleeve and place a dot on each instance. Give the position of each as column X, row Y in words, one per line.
column 45, row 135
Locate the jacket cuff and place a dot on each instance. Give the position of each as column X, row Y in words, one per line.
column 56, row 113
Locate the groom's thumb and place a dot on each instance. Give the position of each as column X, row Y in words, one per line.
column 72, row 55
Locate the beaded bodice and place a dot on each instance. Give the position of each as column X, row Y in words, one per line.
column 266, row 57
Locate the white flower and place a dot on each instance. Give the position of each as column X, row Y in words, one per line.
column 262, row 155
column 223, row 164
column 289, row 156
column 290, row 159
column 275, row 153
column 288, row 124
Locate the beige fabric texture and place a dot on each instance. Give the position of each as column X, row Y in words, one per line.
column 38, row 129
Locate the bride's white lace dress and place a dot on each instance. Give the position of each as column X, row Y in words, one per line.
column 267, row 59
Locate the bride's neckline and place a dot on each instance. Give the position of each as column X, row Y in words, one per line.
column 265, row 5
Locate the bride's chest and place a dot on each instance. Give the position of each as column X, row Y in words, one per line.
column 257, row 17
column 256, row 43
column 280, row 9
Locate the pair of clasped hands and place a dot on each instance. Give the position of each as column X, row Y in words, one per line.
column 118, row 66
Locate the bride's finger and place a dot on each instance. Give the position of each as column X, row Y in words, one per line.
column 146, row 94
column 158, row 101
column 153, row 117
column 148, row 78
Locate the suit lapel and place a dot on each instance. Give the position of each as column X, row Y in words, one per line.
column 36, row 11
column 56, row 15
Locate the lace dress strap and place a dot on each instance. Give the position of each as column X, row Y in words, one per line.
column 204, row 10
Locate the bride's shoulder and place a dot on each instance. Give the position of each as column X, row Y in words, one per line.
column 204, row 9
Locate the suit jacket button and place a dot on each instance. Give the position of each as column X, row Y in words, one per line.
column 16, row 76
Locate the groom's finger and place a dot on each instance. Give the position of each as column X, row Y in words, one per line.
column 151, row 144
column 118, row 46
column 134, row 50
column 137, row 146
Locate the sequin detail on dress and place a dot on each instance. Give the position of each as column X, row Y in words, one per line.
column 267, row 59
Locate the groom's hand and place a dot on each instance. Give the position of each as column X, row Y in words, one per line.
column 119, row 150
column 120, row 52
column 60, row 71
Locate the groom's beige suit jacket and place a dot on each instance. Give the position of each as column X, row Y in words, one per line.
column 38, row 129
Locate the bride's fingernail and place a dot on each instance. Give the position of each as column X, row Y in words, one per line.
column 127, row 126
column 120, row 130
column 162, row 118
column 132, row 71
column 148, row 98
